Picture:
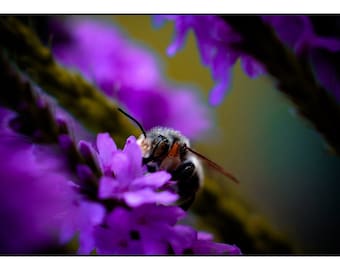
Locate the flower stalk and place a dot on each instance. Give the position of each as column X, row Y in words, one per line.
column 72, row 92
column 36, row 119
column 293, row 75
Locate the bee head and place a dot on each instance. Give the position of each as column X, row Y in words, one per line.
column 160, row 141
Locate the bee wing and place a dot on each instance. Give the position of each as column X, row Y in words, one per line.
column 214, row 165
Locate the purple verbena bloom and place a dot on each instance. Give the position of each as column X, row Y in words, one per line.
column 126, row 179
column 325, row 72
column 141, row 221
column 34, row 192
column 214, row 40
column 128, row 73
column 298, row 33
column 81, row 217
column 142, row 230
column 152, row 230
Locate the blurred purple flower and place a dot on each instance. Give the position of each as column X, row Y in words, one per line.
column 131, row 214
column 82, row 217
column 128, row 73
column 297, row 32
column 326, row 72
column 214, row 39
column 34, row 192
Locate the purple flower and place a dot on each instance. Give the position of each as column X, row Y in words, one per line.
column 140, row 219
column 214, row 39
column 34, row 192
column 130, row 215
column 298, row 33
column 81, row 217
column 142, row 230
column 326, row 72
column 125, row 178
column 151, row 229
column 128, row 73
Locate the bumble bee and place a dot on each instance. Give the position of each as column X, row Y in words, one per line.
column 167, row 149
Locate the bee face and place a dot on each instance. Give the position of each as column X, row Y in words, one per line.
column 165, row 149
column 163, row 144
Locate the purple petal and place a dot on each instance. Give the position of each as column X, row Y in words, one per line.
column 154, row 247
column 330, row 44
column 31, row 207
column 120, row 167
column 84, row 172
column 134, row 154
column 106, row 147
column 158, row 21
column 204, row 236
column 182, row 238
column 65, row 142
column 203, row 247
column 220, row 90
column 108, row 187
column 181, row 28
column 251, row 67
column 147, row 213
column 143, row 196
column 114, row 236
column 152, row 180
column 87, row 151
column 207, row 50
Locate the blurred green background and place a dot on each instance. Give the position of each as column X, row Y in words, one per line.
column 286, row 173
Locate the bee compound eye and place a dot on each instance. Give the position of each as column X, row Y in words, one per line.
column 162, row 146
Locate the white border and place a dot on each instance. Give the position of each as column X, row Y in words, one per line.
column 169, row 262
column 170, row 6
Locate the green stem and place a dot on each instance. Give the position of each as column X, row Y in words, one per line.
column 76, row 95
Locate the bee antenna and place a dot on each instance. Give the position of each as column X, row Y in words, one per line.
column 134, row 120
column 214, row 165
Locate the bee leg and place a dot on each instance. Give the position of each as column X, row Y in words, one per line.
column 187, row 180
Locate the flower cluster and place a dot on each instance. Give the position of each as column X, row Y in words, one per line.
column 139, row 218
column 128, row 73
column 214, row 40
column 298, row 33
column 35, row 191
column 130, row 212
